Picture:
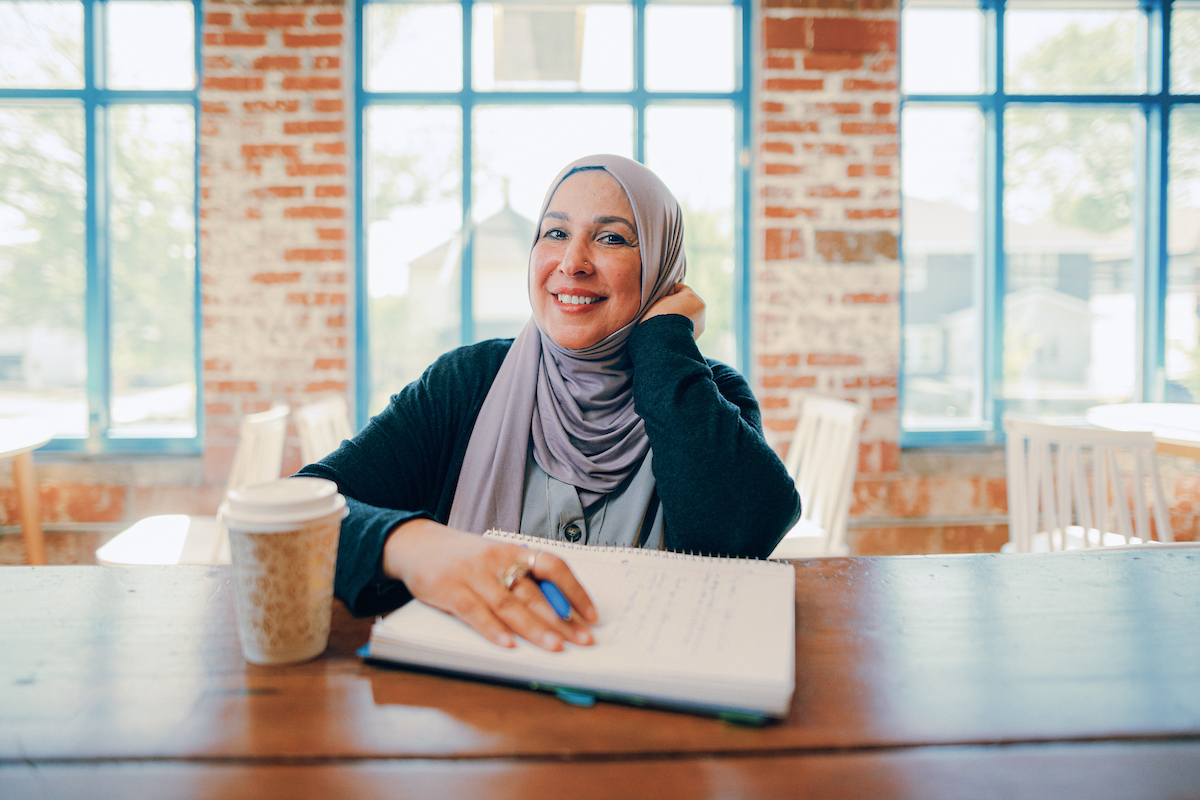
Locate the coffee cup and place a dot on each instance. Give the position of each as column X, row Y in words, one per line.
column 283, row 538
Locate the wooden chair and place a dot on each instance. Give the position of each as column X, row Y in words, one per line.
column 323, row 425
column 1073, row 488
column 184, row 539
column 822, row 459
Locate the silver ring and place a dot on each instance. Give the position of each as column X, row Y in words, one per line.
column 518, row 569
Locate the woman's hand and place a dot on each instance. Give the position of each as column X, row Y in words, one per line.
column 463, row 574
column 681, row 300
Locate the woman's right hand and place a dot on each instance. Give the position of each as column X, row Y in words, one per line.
column 682, row 300
column 462, row 574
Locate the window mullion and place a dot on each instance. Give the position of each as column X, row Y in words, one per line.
column 97, row 284
column 362, row 358
column 467, row 230
column 639, row 80
column 993, row 284
column 1152, row 375
column 197, row 307
column 742, row 191
column 1153, row 247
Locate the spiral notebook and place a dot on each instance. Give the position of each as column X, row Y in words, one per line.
column 695, row 633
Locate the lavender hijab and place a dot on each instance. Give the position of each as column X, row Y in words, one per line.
column 575, row 406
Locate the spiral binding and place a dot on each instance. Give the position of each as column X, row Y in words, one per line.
column 671, row 555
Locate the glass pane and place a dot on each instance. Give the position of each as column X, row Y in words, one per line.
column 553, row 45
column 413, row 47
column 691, row 48
column 677, row 139
column 518, row 151
column 413, row 173
column 1185, row 48
column 943, row 323
column 42, row 43
column 1068, row 51
column 151, row 45
column 43, row 350
column 152, row 239
column 1183, row 270
column 1070, row 316
column 942, row 50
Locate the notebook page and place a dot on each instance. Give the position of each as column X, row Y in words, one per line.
column 674, row 617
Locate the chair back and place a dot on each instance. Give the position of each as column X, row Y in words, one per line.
column 323, row 424
column 259, row 454
column 823, row 459
column 1081, row 487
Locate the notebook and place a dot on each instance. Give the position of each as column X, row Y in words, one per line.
column 695, row 633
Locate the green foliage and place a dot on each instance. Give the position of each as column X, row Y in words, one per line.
column 1079, row 160
column 1080, row 60
column 151, row 230
column 708, row 244
column 42, row 201
column 1185, row 44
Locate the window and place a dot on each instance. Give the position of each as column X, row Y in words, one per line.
column 468, row 110
column 1051, row 214
column 98, row 115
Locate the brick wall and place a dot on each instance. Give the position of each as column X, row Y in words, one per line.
column 827, row 282
column 276, row 212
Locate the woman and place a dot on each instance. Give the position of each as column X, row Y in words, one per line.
column 600, row 423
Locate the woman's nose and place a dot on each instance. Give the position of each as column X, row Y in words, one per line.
column 575, row 261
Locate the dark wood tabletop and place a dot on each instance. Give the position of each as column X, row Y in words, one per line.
column 1064, row 675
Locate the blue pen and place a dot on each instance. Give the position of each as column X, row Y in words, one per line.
column 556, row 599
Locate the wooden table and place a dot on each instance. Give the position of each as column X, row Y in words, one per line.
column 18, row 439
column 1176, row 426
column 973, row 676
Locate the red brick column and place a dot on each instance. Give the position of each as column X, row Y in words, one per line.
column 276, row 212
column 827, row 273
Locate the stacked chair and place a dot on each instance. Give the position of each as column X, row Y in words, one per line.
column 1074, row 488
column 823, row 460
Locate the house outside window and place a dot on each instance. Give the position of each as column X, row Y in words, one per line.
column 468, row 110
column 1051, row 211
column 98, row 264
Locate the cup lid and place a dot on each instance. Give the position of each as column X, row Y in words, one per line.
column 284, row 500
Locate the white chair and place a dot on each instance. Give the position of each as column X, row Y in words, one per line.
column 1073, row 488
column 184, row 539
column 823, row 460
column 323, row 425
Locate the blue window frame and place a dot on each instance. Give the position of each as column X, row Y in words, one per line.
column 1051, row 203
column 468, row 109
column 98, row 222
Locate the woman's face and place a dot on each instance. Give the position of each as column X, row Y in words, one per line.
column 585, row 272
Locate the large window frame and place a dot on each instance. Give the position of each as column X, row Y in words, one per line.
column 96, row 100
column 1154, row 108
column 638, row 98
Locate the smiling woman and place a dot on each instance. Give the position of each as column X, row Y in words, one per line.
column 599, row 424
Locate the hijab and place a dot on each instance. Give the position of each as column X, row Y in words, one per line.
column 573, row 409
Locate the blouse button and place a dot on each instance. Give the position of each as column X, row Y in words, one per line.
column 572, row 533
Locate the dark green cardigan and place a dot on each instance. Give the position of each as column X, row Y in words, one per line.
column 723, row 490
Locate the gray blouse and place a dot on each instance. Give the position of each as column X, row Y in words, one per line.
column 628, row 516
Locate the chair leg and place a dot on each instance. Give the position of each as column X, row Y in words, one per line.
column 31, row 512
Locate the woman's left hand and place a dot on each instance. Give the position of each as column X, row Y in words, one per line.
column 682, row 300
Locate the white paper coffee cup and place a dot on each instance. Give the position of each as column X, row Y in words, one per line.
column 283, row 537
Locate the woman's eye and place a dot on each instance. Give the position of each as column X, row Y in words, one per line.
column 613, row 238
column 554, row 233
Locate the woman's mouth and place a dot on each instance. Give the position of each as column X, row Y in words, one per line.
column 576, row 300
